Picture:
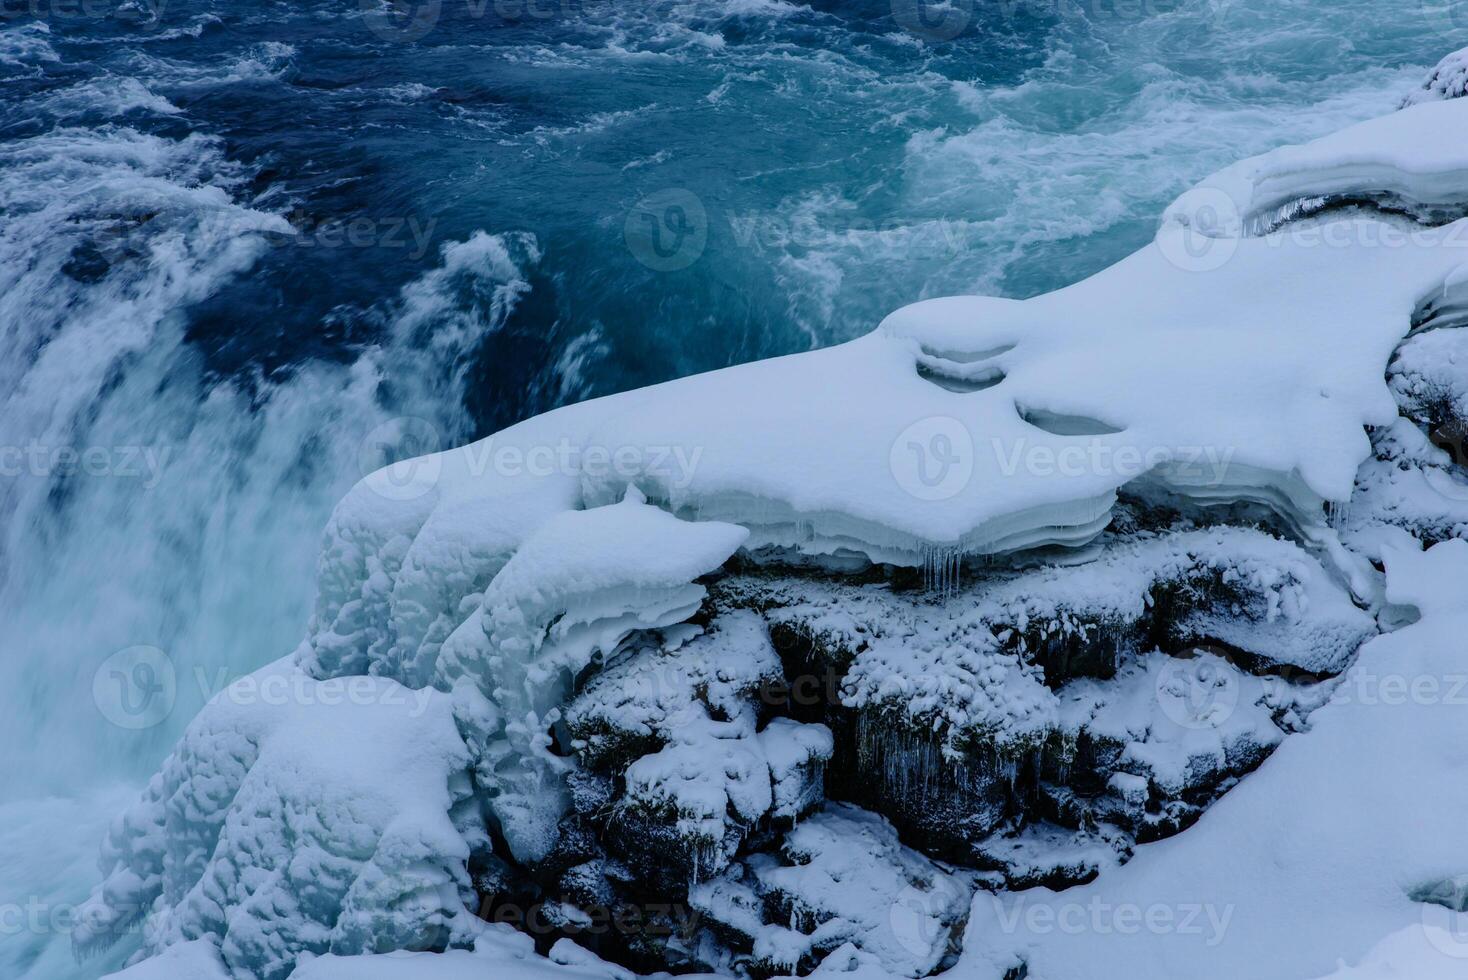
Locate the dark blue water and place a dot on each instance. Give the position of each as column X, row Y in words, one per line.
column 240, row 242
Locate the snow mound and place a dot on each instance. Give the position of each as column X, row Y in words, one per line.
column 298, row 816
column 1429, row 378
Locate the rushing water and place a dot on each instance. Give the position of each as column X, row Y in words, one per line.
column 239, row 240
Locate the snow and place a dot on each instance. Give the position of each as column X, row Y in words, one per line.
column 1190, row 381
column 1417, row 157
column 298, row 816
column 692, row 709
column 1447, row 80
column 845, row 879
column 533, row 652
column 578, row 586
column 1311, row 860
column 196, row 960
column 967, row 663
column 498, row 952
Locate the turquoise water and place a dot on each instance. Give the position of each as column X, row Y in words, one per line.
column 238, row 241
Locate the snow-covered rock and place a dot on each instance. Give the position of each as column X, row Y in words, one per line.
column 1447, row 80
column 679, row 725
column 841, row 877
column 622, row 652
column 299, row 816
column 1356, row 818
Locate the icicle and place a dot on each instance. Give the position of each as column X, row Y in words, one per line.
column 941, row 568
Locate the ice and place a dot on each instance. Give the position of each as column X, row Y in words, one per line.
column 578, row 586
column 294, row 817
